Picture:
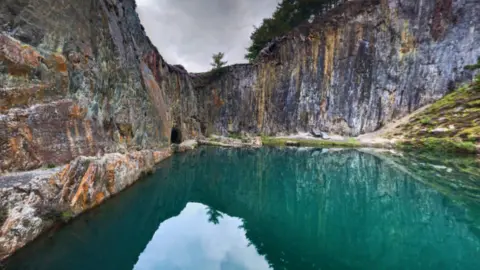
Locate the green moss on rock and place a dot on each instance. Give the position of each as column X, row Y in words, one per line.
column 452, row 124
column 445, row 145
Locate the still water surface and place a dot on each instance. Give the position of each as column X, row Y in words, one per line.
column 271, row 209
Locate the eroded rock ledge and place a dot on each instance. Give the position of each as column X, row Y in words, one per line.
column 32, row 202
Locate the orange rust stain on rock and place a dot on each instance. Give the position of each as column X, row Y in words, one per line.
column 216, row 99
column 315, row 40
column 99, row 197
column 323, row 107
column 408, row 41
column 71, row 141
column 82, row 192
column 88, row 134
column 31, row 56
column 110, row 174
column 77, row 112
column 27, row 133
column 156, row 94
column 14, row 144
column 121, row 139
column 19, row 57
column 61, row 63
column 330, row 38
column 64, row 173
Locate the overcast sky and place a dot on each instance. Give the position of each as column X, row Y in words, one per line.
column 188, row 32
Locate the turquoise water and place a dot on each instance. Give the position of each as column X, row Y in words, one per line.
column 272, row 209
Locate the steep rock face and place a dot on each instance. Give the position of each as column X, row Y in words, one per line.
column 350, row 72
column 80, row 78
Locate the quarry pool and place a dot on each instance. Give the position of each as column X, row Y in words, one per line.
column 275, row 208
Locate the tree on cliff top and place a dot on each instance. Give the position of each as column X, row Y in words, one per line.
column 217, row 60
column 288, row 15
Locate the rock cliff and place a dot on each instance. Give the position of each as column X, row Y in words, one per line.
column 82, row 78
column 81, row 85
column 79, row 78
column 349, row 72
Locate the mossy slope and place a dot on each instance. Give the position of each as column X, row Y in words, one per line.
column 451, row 124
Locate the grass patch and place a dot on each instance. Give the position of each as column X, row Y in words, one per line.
column 459, row 109
column 273, row 141
column 451, row 100
column 237, row 136
column 470, row 134
column 67, row 215
column 441, row 145
column 426, row 120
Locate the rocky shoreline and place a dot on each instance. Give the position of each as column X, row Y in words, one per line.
column 33, row 202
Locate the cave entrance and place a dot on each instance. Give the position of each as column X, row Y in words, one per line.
column 176, row 136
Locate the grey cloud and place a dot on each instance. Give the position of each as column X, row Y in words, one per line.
column 188, row 32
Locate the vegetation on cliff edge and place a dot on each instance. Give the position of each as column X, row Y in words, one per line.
column 288, row 15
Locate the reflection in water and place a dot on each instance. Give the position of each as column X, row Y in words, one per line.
column 298, row 210
column 207, row 246
column 214, row 215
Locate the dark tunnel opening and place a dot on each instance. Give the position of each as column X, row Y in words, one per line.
column 176, row 136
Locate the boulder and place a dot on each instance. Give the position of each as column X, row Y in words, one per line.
column 292, row 143
column 319, row 134
column 186, row 146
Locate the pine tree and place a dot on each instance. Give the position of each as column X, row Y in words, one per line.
column 217, row 60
